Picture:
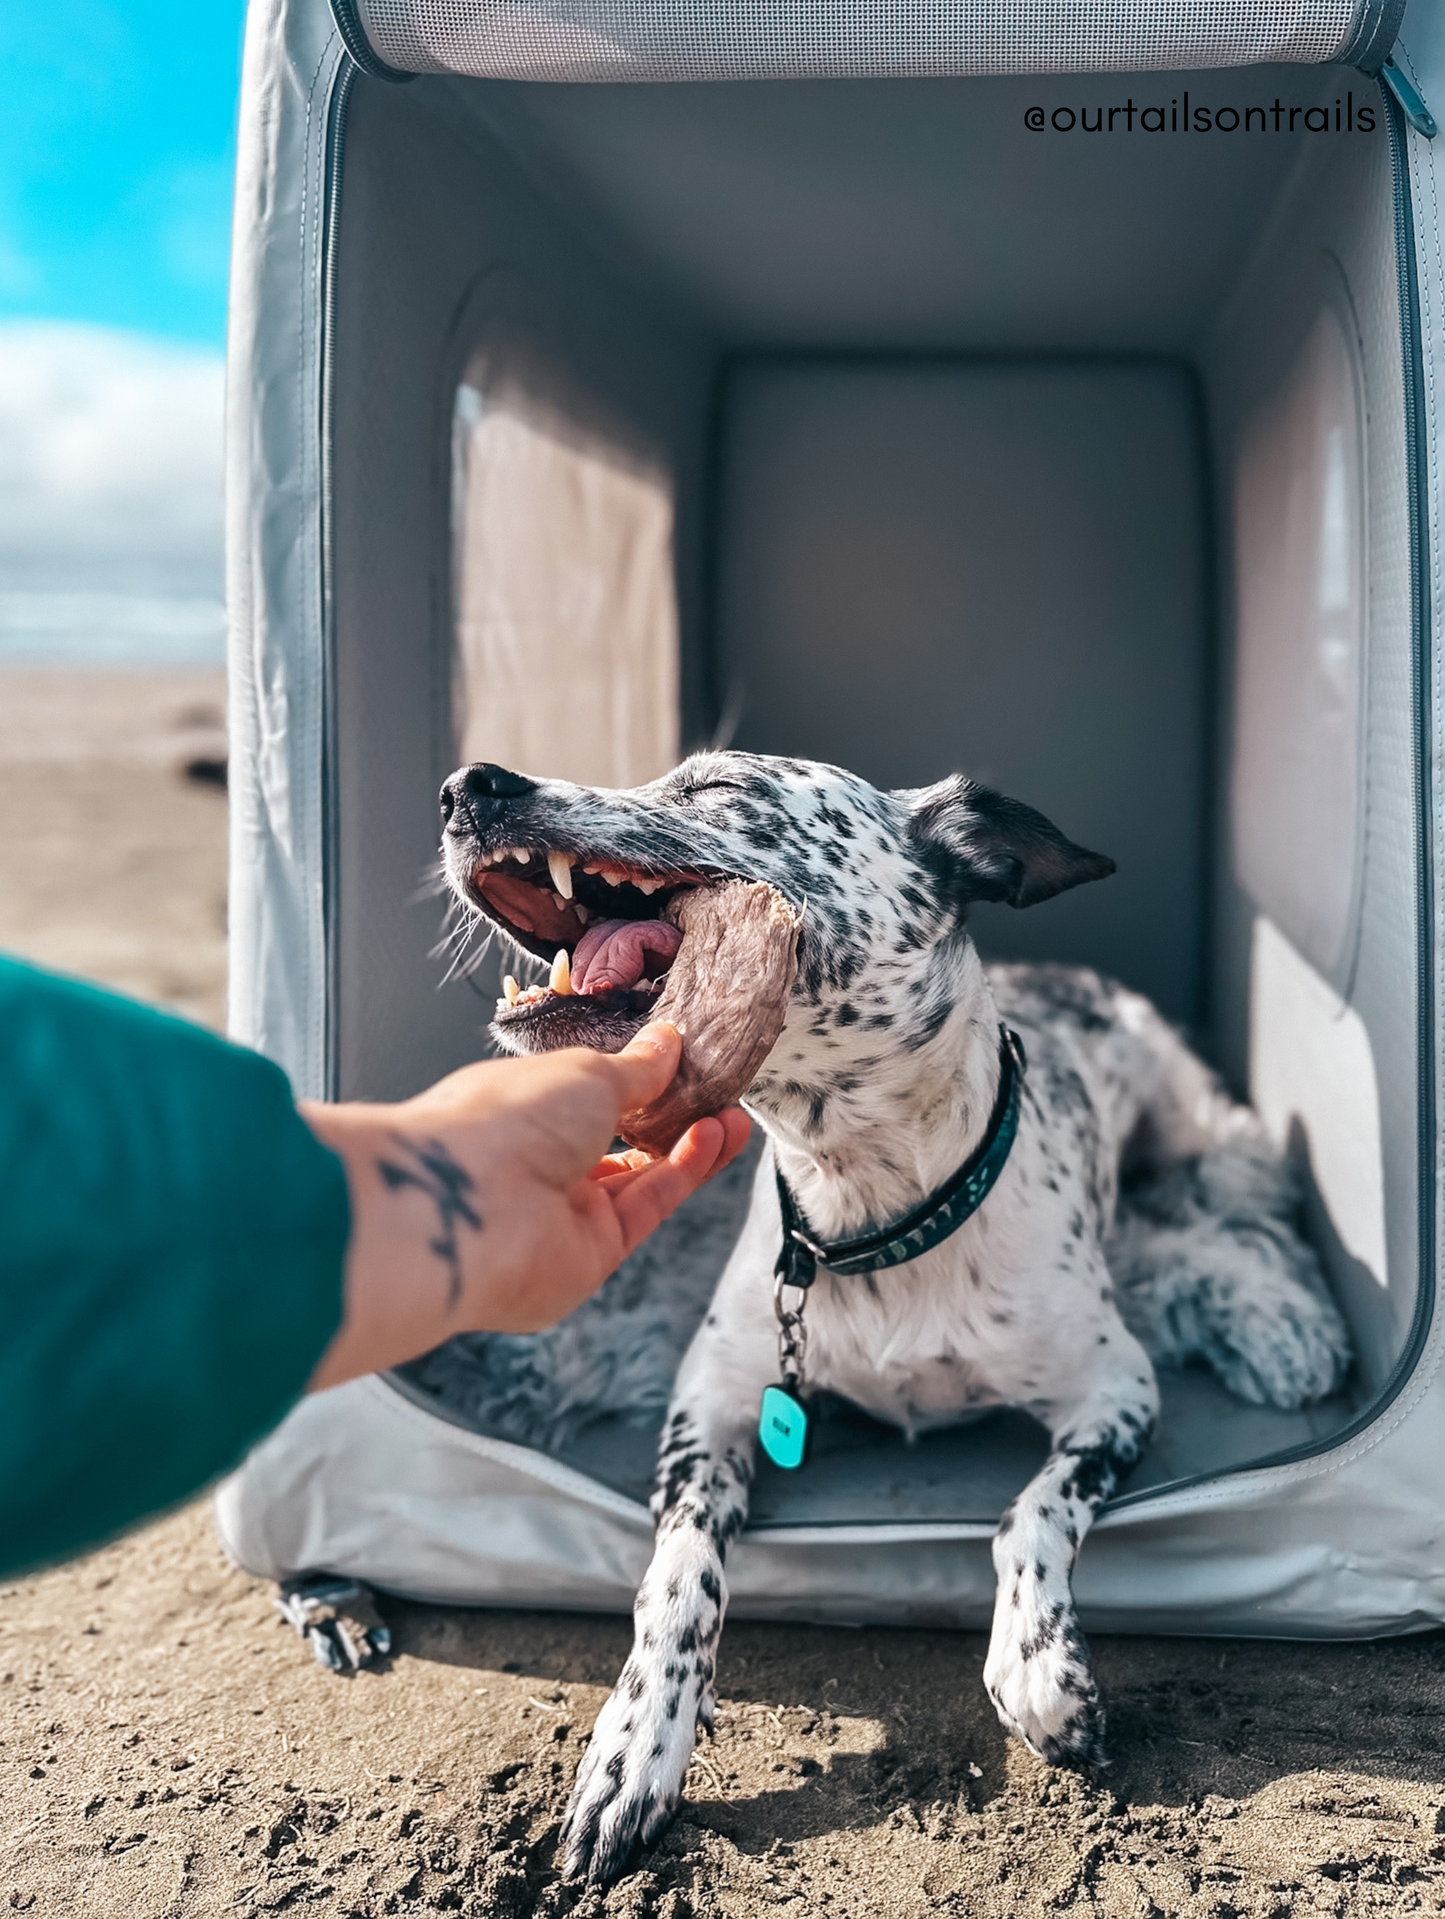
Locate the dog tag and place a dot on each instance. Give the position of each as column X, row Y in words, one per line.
column 783, row 1427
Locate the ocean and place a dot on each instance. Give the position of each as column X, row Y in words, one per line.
column 110, row 629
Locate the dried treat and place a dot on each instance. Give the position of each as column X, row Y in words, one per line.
column 727, row 994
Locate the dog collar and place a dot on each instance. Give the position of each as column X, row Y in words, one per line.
column 933, row 1219
column 784, row 1423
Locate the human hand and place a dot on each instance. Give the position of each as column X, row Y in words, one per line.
column 484, row 1203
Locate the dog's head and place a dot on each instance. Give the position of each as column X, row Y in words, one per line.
column 883, row 880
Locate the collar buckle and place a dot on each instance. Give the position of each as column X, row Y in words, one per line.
column 797, row 1261
column 809, row 1246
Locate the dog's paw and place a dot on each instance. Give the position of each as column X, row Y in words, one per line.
column 630, row 1781
column 1288, row 1352
column 1038, row 1677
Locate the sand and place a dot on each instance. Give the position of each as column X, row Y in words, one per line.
column 168, row 1748
column 112, row 864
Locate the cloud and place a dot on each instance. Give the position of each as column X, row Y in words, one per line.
column 110, row 463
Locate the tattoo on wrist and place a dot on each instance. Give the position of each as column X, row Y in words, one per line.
column 433, row 1171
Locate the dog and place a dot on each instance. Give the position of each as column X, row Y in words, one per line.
column 898, row 1051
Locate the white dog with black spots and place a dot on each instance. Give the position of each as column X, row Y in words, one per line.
column 881, row 1084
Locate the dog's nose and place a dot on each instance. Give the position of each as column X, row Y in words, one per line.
column 475, row 789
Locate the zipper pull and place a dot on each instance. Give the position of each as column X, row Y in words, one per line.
column 1411, row 105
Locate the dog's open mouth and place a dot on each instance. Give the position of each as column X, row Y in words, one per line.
column 602, row 929
column 715, row 954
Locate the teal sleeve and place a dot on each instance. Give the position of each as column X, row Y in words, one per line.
column 172, row 1241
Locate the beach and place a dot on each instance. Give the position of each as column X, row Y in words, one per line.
column 112, row 860
column 169, row 1748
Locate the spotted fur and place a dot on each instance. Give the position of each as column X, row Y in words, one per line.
column 879, row 1086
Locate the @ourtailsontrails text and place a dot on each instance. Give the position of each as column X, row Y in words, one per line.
column 1181, row 116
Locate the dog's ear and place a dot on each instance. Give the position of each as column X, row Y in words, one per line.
column 993, row 848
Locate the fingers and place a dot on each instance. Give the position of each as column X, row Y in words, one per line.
column 737, row 1130
column 643, row 1200
column 645, row 1066
column 622, row 1165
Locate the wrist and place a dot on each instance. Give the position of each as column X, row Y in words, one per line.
column 411, row 1279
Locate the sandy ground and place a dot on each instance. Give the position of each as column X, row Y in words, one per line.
column 113, row 865
column 167, row 1747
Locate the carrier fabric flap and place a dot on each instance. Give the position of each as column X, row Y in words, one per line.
column 842, row 39
column 362, row 1480
column 293, row 70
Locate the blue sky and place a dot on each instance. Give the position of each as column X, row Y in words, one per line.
column 117, row 140
column 117, row 147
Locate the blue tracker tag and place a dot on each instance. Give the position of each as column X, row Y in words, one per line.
column 783, row 1427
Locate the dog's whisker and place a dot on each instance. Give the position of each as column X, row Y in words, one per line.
column 467, row 962
column 433, row 883
column 729, row 719
column 457, row 928
column 459, row 925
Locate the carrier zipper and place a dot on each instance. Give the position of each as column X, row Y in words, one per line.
column 1410, row 99
column 1421, row 646
column 330, row 822
column 347, row 19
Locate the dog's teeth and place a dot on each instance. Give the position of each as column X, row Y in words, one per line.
column 521, row 856
column 561, row 980
column 612, row 876
column 560, row 867
column 511, row 991
column 584, row 913
column 647, row 886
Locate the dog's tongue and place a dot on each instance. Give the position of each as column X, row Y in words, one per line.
column 620, row 952
column 727, row 993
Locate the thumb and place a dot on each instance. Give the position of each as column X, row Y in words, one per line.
column 645, row 1066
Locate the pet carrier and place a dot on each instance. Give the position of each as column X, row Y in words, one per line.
column 1048, row 393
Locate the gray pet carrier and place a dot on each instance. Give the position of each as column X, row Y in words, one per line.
column 1046, row 392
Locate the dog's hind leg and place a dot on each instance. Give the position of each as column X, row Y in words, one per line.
column 1209, row 1264
column 631, row 1778
column 1207, row 1256
column 1037, row 1671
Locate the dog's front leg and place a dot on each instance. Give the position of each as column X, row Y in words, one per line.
column 1037, row 1671
column 631, row 1778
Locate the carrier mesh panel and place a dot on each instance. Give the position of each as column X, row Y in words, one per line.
column 776, row 39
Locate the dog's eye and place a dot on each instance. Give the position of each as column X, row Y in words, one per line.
column 713, row 786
